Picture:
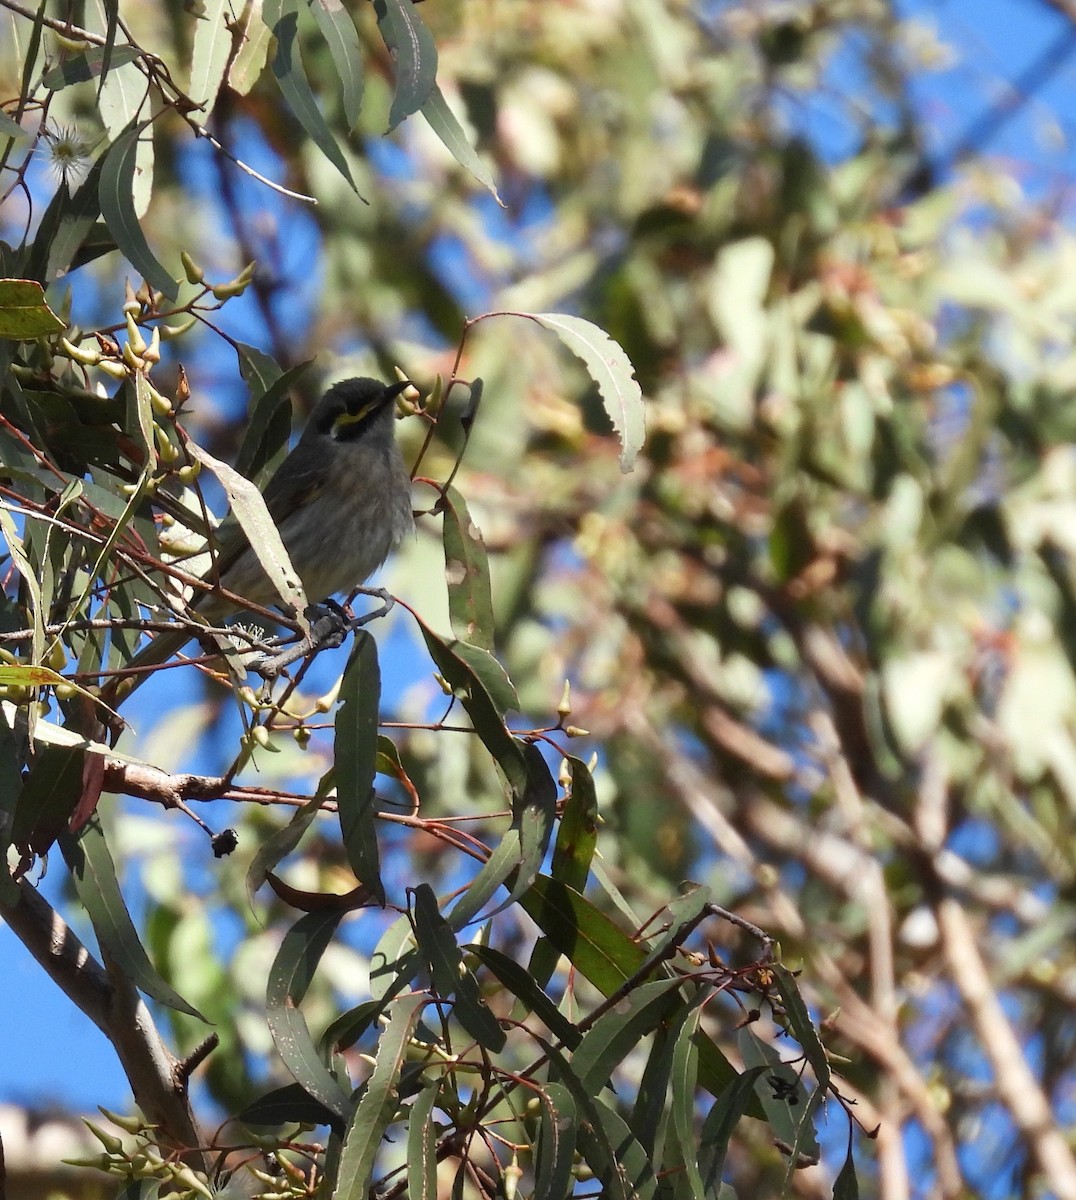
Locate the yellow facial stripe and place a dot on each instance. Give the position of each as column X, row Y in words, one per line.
column 347, row 418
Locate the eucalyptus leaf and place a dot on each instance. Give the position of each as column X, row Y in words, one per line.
column 116, row 191
column 356, row 762
column 415, row 55
column 611, row 370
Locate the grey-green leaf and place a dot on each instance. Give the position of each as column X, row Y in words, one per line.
column 437, row 944
column 414, row 52
column 377, row 1108
column 442, row 120
column 421, row 1145
column 209, row 58
column 87, row 855
column 470, row 600
column 338, row 30
column 82, row 67
column 289, row 978
column 556, row 1141
column 116, row 191
column 248, row 508
column 282, row 17
column 281, row 843
column 721, row 1120
column 356, row 762
column 611, row 370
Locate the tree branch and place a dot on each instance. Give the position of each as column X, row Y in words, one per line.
column 1017, row 1086
column 113, row 1004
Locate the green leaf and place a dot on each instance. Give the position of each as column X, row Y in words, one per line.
column 17, row 550
column 115, row 191
column 255, row 41
column 24, row 315
column 805, row 1033
column 611, row 370
column 683, row 1086
column 519, row 981
column 631, row 1172
column 587, row 937
column 470, row 601
column 338, row 30
column 721, row 1120
column 556, row 1141
column 209, row 57
column 33, row 48
column 457, row 663
column 10, row 128
column 122, row 100
column 519, row 855
column 377, row 1108
column 67, row 227
column 414, row 53
column 802, row 1025
column 248, row 508
column 617, row 1032
column 605, row 1141
column 346, row 1030
column 500, row 865
column 607, row 1156
column 112, row 23
column 489, row 672
column 422, row 1145
column 260, row 370
column 287, row 1105
column 289, row 978
column 443, row 122
column 87, row 855
column 281, row 843
column 846, row 1186
column 50, row 794
column 780, row 1114
column 650, row 1116
column 534, row 813
column 10, row 790
column 282, row 17
column 608, row 957
column 395, row 960
column 577, row 834
column 269, row 416
column 356, row 762
column 88, row 65
column 437, row 945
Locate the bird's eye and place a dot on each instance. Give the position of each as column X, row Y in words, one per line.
column 344, row 426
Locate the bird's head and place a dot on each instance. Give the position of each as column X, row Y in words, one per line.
column 352, row 408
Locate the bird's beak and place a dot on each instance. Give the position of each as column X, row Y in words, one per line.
column 394, row 389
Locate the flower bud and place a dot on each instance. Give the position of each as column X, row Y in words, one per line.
column 134, row 336
column 191, row 269
column 88, row 357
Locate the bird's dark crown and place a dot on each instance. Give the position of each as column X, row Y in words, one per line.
column 349, row 407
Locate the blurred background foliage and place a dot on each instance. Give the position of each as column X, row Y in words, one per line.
column 822, row 638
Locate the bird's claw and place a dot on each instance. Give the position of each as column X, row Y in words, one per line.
column 329, row 624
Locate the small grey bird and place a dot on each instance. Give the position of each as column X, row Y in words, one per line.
column 341, row 501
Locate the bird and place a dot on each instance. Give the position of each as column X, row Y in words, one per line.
column 341, row 502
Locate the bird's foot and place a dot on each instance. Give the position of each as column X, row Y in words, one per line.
column 330, row 623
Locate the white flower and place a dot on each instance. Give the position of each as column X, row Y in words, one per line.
column 68, row 152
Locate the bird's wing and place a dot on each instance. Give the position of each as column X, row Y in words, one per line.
column 293, row 489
